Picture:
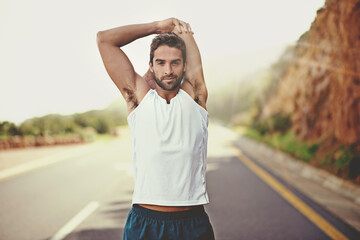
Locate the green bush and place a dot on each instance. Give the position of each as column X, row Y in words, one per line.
column 286, row 142
column 281, row 123
column 103, row 121
column 254, row 134
column 276, row 123
column 9, row 129
column 103, row 125
column 345, row 157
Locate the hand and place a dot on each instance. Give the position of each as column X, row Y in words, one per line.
column 149, row 78
column 174, row 25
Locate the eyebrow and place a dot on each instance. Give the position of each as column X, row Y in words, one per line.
column 162, row 60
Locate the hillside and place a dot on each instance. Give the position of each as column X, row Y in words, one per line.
column 318, row 86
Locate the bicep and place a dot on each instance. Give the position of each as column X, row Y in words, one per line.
column 119, row 68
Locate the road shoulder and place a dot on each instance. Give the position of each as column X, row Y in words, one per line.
column 338, row 196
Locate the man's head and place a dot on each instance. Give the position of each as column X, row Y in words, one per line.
column 168, row 60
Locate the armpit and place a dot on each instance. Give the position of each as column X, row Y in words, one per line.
column 130, row 98
column 197, row 100
column 201, row 101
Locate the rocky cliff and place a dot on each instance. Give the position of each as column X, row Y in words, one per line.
column 319, row 87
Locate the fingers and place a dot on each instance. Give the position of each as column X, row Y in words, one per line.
column 189, row 28
column 177, row 24
column 186, row 27
column 182, row 26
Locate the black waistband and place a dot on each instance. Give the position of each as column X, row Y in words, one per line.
column 193, row 212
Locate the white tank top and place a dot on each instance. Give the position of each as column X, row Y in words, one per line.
column 169, row 146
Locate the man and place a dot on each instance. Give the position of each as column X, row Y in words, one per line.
column 168, row 122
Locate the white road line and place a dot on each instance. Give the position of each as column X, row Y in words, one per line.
column 75, row 221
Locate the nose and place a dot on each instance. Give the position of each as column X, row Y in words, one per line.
column 168, row 69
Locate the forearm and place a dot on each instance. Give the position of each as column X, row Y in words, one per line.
column 123, row 35
column 194, row 70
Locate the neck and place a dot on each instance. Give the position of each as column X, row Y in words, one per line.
column 167, row 95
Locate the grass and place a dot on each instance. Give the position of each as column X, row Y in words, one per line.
column 286, row 142
column 341, row 160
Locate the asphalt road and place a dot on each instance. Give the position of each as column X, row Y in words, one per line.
column 88, row 196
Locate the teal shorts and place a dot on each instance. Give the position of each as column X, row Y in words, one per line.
column 143, row 223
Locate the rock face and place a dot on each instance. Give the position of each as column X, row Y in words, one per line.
column 320, row 86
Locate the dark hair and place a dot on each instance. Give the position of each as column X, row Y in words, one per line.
column 170, row 39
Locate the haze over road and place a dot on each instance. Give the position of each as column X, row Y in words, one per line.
column 85, row 193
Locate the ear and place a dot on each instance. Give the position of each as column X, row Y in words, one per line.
column 184, row 67
column 151, row 67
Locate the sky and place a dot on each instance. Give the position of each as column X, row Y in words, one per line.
column 50, row 62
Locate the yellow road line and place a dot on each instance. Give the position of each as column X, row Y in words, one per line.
column 319, row 221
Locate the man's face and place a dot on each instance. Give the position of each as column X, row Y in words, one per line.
column 168, row 67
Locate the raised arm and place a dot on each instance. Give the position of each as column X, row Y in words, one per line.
column 132, row 86
column 117, row 64
column 194, row 82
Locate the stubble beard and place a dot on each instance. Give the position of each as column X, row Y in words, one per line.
column 175, row 85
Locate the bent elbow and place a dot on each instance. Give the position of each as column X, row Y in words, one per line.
column 99, row 37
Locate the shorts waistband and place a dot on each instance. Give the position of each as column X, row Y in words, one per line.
column 193, row 212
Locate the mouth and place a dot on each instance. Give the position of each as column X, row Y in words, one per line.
column 169, row 78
